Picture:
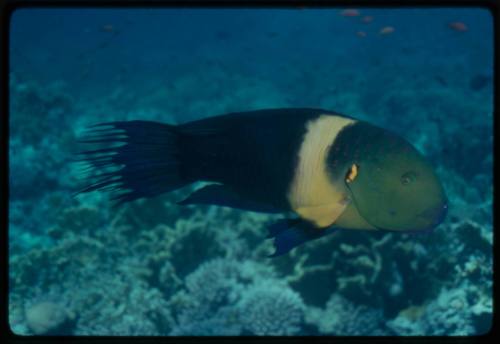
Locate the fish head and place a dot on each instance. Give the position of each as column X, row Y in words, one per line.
column 392, row 185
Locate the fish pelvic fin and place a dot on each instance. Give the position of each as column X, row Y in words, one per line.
column 290, row 233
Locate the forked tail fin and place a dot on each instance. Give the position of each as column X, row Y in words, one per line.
column 141, row 159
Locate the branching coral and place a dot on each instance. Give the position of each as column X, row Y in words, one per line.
column 341, row 317
column 271, row 308
column 211, row 293
column 459, row 311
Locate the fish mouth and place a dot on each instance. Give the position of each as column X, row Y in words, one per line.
column 435, row 214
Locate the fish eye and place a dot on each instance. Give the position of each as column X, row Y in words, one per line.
column 408, row 177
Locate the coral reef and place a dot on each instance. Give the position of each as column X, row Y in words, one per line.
column 341, row 317
column 456, row 312
column 48, row 318
column 271, row 308
column 227, row 297
column 111, row 300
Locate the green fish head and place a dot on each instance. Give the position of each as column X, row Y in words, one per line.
column 392, row 185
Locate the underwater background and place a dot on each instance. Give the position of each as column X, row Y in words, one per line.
column 78, row 266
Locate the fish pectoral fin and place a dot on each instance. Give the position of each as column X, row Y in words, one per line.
column 221, row 195
column 290, row 233
column 322, row 215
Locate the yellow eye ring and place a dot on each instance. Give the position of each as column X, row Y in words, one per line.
column 352, row 173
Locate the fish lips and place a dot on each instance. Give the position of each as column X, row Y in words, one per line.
column 436, row 214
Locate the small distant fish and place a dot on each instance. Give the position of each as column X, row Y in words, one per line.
column 331, row 171
column 479, row 82
column 108, row 28
column 367, row 19
column 350, row 12
column 441, row 80
column 222, row 35
column 386, row 30
column 84, row 73
column 458, row 26
column 361, row 34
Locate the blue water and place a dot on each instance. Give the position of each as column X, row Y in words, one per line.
column 154, row 268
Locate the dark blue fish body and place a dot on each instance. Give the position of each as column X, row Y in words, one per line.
column 312, row 162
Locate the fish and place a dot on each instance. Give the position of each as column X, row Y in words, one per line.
column 108, row 28
column 480, row 81
column 367, row 19
column 386, row 30
column 223, row 35
column 322, row 170
column 458, row 26
column 361, row 34
column 350, row 12
column 441, row 80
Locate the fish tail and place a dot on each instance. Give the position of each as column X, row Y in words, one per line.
column 140, row 159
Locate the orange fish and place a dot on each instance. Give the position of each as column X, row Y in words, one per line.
column 386, row 30
column 108, row 28
column 350, row 12
column 367, row 19
column 458, row 26
column 361, row 34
